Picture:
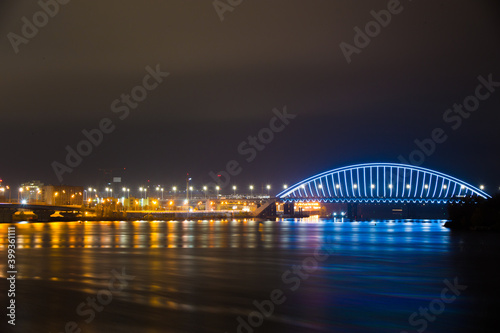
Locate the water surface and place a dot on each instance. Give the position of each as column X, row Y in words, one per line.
column 200, row 276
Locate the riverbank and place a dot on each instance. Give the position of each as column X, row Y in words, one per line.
column 475, row 214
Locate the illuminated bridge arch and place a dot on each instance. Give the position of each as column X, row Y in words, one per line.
column 381, row 182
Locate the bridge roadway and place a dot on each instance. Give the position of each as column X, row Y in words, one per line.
column 43, row 212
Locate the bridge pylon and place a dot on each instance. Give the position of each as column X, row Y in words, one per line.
column 352, row 210
column 6, row 214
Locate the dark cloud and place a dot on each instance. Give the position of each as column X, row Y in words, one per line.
column 226, row 77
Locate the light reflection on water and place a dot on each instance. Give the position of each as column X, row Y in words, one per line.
column 382, row 270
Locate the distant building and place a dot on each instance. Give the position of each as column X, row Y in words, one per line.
column 63, row 195
column 31, row 191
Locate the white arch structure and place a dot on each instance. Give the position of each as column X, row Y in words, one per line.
column 381, row 182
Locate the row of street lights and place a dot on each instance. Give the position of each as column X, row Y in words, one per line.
column 189, row 190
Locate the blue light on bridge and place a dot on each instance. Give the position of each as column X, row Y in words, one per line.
column 381, row 183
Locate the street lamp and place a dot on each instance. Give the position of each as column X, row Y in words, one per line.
column 251, row 190
column 162, row 193
column 234, row 190
column 217, row 188
column 126, row 190
column 205, row 190
column 20, row 194
column 268, row 188
column 187, row 187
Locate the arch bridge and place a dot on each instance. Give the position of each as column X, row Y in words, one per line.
column 381, row 183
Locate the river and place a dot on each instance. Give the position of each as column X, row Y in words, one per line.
column 307, row 275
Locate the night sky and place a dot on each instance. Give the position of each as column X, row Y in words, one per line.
column 226, row 77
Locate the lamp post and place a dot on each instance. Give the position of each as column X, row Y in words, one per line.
column 162, row 193
column 205, row 190
column 251, row 190
column 20, row 194
column 187, row 187
column 217, row 188
column 234, row 190
column 175, row 190
column 8, row 189
column 268, row 187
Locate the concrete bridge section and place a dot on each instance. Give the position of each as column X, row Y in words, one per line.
column 43, row 212
column 267, row 209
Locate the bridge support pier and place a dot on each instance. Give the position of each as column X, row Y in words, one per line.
column 352, row 211
column 289, row 208
column 69, row 215
column 6, row 214
column 43, row 215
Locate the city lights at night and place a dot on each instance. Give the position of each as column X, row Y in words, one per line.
column 250, row 166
